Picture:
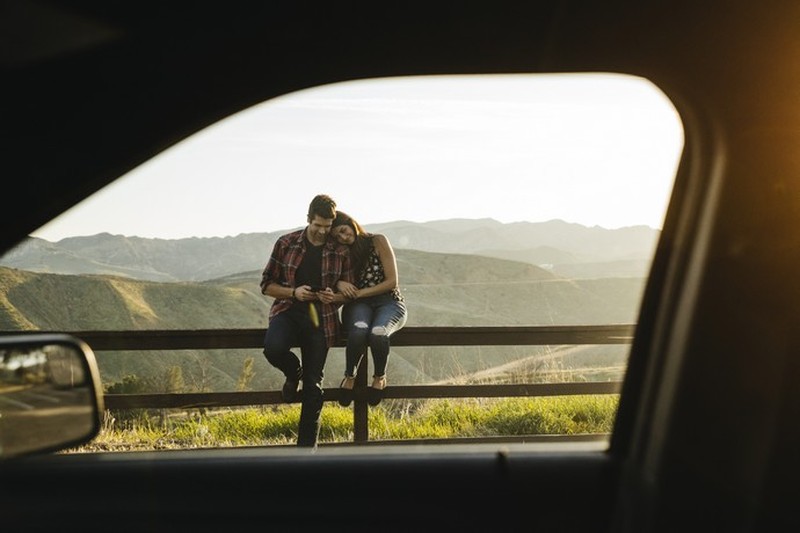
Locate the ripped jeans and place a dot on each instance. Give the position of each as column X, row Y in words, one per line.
column 370, row 322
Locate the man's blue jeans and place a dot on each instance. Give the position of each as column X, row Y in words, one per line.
column 293, row 328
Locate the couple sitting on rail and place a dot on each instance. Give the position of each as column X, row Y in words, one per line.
column 332, row 251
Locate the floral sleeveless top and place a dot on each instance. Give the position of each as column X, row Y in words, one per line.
column 373, row 274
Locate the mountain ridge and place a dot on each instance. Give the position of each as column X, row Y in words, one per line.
column 457, row 272
column 565, row 249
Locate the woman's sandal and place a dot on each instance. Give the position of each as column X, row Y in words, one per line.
column 346, row 391
column 377, row 390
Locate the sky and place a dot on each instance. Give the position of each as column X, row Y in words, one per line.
column 597, row 150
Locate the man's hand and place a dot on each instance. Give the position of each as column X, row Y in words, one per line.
column 303, row 293
column 326, row 296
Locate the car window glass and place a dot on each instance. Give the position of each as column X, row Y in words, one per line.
column 516, row 200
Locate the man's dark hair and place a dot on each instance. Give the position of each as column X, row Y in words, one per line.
column 322, row 206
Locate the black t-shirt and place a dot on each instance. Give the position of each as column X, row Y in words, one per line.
column 310, row 270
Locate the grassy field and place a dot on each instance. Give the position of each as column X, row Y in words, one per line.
column 391, row 420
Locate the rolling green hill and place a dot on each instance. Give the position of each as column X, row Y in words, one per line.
column 440, row 290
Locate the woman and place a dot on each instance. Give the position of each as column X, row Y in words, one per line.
column 375, row 309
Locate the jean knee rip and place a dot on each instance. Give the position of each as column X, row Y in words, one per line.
column 379, row 331
column 360, row 324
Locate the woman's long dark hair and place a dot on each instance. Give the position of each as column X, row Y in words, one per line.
column 359, row 250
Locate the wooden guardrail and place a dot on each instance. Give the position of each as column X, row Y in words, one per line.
column 408, row 336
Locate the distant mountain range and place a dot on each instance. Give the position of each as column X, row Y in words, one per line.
column 564, row 249
column 475, row 272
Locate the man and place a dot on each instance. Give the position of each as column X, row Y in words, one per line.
column 300, row 274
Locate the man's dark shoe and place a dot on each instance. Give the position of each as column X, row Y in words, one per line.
column 289, row 392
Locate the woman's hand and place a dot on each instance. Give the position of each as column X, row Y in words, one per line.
column 349, row 290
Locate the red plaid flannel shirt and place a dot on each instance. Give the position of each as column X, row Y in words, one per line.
column 287, row 254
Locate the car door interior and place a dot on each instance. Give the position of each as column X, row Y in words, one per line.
column 706, row 434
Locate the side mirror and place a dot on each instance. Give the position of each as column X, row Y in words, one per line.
column 50, row 394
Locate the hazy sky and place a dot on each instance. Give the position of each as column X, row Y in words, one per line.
column 591, row 149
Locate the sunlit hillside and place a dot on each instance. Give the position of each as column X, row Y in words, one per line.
column 440, row 290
